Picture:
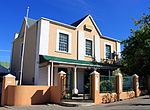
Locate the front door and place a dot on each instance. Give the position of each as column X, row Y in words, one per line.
column 80, row 82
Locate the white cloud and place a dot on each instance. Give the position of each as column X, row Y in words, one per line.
column 4, row 50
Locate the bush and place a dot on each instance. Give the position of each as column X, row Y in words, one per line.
column 106, row 85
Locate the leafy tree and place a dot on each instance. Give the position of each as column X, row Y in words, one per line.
column 136, row 53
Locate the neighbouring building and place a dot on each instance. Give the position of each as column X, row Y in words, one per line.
column 51, row 47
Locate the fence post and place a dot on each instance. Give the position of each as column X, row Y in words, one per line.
column 136, row 84
column 61, row 86
column 119, row 85
column 7, row 80
column 95, row 81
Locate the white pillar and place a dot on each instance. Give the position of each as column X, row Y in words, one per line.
column 49, row 67
column 52, row 74
column 75, row 90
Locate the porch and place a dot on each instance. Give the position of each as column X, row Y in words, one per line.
column 77, row 80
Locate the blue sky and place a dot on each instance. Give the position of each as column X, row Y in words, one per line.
column 113, row 17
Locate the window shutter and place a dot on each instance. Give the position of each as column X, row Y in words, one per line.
column 44, row 37
column 97, row 48
column 81, row 45
column 118, row 50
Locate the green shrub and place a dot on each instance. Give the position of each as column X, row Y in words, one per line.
column 106, row 85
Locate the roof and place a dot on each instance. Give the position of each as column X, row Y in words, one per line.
column 30, row 21
column 78, row 22
column 3, row 69
column 77, row 62
column 73, row 25
column 5, row 64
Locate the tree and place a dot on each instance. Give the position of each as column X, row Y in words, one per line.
column 136, row 52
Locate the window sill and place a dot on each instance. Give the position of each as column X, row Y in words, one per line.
column 108, row 59
column 63, row 52
column 89, row 56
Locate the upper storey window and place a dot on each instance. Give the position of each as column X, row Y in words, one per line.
column 88, row 47
column 63, row 43
column 108, row 49
column 108, row 52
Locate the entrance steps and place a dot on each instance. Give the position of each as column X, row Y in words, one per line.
column 76, row 102
column 81, row 96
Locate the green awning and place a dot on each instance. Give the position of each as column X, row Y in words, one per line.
column 70, row 60
column 78, row 62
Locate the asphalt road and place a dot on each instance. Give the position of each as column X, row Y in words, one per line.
column 140, row 103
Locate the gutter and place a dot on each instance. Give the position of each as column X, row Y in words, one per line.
column 56, row 22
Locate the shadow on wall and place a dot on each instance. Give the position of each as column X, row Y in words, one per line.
column 40, row 97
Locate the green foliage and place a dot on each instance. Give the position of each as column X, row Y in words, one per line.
column 116, row 71
column 136, row 53
column 106, row 85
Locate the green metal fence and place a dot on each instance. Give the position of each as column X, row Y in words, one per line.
column 107, row 84
column 142, row 83
column 127, row 83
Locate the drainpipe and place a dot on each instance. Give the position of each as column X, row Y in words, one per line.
column 21, row 69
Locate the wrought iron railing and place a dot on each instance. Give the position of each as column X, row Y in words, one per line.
column 127, row 83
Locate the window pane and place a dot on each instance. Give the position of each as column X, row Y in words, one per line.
column 108, row 52
column 63, row 42
column 89, row 47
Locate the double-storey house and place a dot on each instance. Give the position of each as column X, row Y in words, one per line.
column 76, row 49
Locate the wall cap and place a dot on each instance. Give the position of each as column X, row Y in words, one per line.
column 61, row 72
column 135, row 75
column 118, row 74
column 9, row 76
column 94, row 72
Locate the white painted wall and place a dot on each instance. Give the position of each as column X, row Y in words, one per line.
column 43, row 76
column 118, row 50
column 81, row 45
column 97, row 48
column 44, row 37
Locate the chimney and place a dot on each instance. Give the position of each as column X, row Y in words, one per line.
column 16, row 36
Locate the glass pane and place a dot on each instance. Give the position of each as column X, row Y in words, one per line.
column 108, row 52
column 89, row 47
column 63, row 42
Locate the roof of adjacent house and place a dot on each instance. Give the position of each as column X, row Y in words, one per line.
column 76, row 62
column 4, row 66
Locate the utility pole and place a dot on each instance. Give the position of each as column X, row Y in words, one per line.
column 25, row 29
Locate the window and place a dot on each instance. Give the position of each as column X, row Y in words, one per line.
column 63, row 42
column 88, row 47
column 21, row 48
column 108, row 51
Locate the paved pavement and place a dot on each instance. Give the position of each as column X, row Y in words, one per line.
column 140, row 103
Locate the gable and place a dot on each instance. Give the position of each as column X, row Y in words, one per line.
column 86, row 23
